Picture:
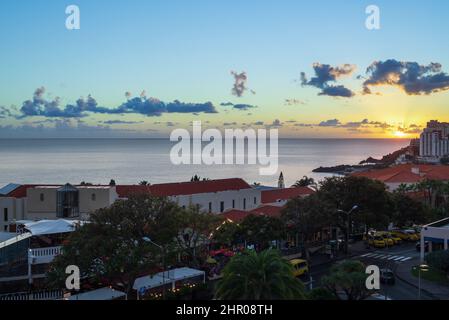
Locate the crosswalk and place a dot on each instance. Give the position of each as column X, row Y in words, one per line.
column 383, row 256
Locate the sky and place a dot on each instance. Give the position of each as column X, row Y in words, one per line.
column 144, row 68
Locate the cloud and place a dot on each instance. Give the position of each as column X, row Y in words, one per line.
column 238, row 106
column 324, row 74
column 275, row 124
column 411, row 77
column 292, row 102
column 239, row 87
column 229, row 124
column 355, row 124
column 39, row 106
column 120, row 122
column 329, row 123
column 258, row 123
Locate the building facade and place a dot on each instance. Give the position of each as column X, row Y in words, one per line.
column 434, row 141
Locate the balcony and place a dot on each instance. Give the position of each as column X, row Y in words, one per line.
column 43, row 255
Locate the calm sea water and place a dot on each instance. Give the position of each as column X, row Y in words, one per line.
column 129, row 161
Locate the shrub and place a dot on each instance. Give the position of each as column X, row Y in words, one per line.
column 439, row 260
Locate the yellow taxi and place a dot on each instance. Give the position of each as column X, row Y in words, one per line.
column 377, row 242
column 300, row 267
column 402, row 234
column 390, row 238
column 413, row 235
column 388, row 241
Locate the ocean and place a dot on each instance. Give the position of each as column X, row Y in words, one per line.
column 129, row 161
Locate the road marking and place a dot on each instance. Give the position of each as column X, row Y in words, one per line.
column 382, row 257
column 366, row 255
column 405, row 259
column 369, row 255
column 399, row 258
column 377, row 256
column 392, row 257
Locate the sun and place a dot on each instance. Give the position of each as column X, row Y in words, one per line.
column 399, row 134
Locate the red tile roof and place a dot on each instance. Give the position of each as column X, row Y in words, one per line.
column 403, row 173
column 163, row 189
column 235, row 215
column 267, row 210
column 275, row 195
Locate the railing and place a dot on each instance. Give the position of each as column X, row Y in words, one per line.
column 38, row 295
column 43, row 255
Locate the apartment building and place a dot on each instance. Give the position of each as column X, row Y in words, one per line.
column 434, row 141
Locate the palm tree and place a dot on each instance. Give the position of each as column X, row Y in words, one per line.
column 259, row 276
column 304, row 182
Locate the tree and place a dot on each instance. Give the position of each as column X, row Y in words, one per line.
column 305, row 216
column 371, row 197
column 408, row 211
column 195, row 227
column 112, row 182
column 227, row 234
column 304, row 182
column 260, row 230
column 348, row 277
column 144, row 183
column 439, row 260
column 259, row 276
column 111, row 249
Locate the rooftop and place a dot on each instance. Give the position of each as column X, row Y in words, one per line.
column 272, row 196
column 407, row 173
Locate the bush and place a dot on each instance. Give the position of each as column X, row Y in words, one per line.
column 439, row 260
column 321, row 294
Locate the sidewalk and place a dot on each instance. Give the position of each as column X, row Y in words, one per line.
column 403, row 272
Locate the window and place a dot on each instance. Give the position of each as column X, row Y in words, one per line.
column 244, row 204
column 233, row 204
column 255, row 200
column 221, row 206
column 5, row 228
column 41, row 197
column 5, row 214
column 210, row 207
column 93, row 197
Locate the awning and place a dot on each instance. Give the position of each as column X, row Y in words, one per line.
column 171, row 276
column 51, row 226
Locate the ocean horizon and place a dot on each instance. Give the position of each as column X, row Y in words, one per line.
column 131, row 160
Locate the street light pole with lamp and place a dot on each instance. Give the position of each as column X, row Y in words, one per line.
column 423, row 268
column 147, row 239
column 348, row 224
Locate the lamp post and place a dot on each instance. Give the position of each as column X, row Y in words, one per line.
column 348, row 224
column 423, row 268
column 147, row 239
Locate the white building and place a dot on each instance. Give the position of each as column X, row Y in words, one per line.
column 434, row 141
column 37, row 202
column 435, row 234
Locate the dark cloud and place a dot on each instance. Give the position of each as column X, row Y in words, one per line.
column 239, row 87
column 258, row 123
column 238, row 106
column 413, row 78
column 120, row 122
column 324, row 74
column 39, row 106
column 355, row 124
column 329, row 123
column 229, row 124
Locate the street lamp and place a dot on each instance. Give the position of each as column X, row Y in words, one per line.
column 147, row 239
column 423, row 268
column 348, row 224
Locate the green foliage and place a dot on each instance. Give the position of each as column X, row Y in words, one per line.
column 371, row 197
column 439, row 260
column 259, row 276
column 304, row 182
column 408, row 211
column 111, row 247
column 227, row 234
column 260, row 230
column 348, row 277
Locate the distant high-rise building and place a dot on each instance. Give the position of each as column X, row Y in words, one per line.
column 434, row 140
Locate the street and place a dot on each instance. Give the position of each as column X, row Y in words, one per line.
column 389, row 258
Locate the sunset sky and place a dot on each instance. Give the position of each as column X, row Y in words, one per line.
column 143, row 68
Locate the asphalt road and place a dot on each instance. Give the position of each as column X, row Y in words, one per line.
column 384, row 258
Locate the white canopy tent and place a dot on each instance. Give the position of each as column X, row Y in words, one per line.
column 105, row 293
column 51, row 226
column 170, row 277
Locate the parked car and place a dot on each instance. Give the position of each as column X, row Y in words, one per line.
column 402, row 234
column 414, row 236
column 300, row 267
column 377, row 242
column 387, row 238
column 426, row 246
column 387, row 276
column 395, row 238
